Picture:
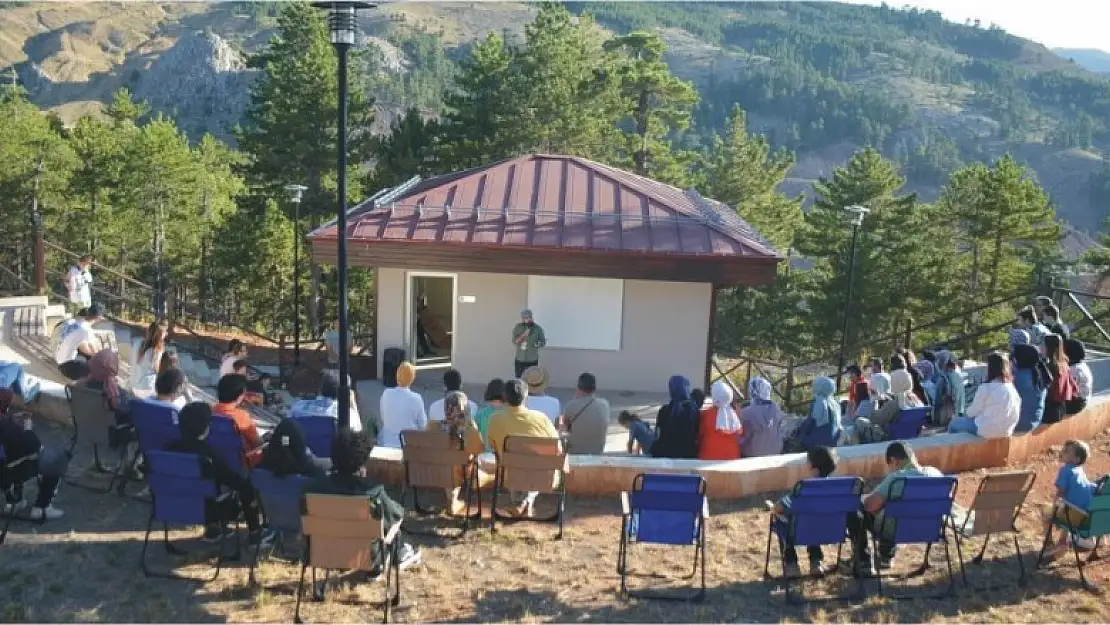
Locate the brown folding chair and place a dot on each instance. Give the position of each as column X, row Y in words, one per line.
column 340, row 532
column 995, row 510
column 531, row 464
column 433, row 460
column 94, row 424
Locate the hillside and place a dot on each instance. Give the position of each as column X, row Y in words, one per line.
column 819, row 78
column 1087, row 58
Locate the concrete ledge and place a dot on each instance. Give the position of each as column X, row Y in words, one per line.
column 951, row 453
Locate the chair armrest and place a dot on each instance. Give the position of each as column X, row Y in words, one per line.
column 705, row 508
column 392, row 533
column 626, row 506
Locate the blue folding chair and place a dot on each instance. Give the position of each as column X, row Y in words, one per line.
column 182, row 486
column 664, row 510
column 919, row 511
column 155, row 424
column 818, row 516
column 281, row 504
column 907, row 424
column 225, row 438
column 319, row 431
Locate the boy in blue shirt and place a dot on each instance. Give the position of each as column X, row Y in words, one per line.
column 822, row 463
column 1074, row 493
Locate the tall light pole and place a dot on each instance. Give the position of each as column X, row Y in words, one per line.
column 296, row 191
column 343, row 23
column 856, row 214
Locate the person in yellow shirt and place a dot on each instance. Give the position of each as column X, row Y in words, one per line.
column 514, row 419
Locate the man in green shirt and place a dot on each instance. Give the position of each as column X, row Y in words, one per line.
column 528, row 338
column 901, row 463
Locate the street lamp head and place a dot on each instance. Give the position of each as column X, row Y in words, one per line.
column 295, row 192
column 857, row 213
column 341, row 19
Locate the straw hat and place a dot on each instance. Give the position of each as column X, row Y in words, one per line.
column 536, row 379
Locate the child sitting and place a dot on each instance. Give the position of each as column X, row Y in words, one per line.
column 1074, row 493
column 639, row 432
column 822, row 463
column 865, row 407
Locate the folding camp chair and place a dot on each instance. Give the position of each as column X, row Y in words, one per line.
column 224, row 437
column 918, row 512
column 155, row 425
column 818, row 516
column 531, row 464
column 319, row 431
column 181, row 485
column 94, row 424
column 281, row 504
column 1095, row 525
column 664, row 510
column 340, row 532
column 432, row 461
column 995, row 510
column 907, row 424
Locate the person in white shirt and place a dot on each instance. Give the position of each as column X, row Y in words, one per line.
column 236, row 351
column 79, row 283
column 145, row 370
column 170, row 389
column 401, row 408
column 78, row 345
column 326, row 403
column 995, row 410
column 452, row 382
column 1084, row 380
column 536, row 379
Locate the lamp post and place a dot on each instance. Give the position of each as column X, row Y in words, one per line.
column 343, row 23
column 36, row 226
column 296, row 191
column 857, row 214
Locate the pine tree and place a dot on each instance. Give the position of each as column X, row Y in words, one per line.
column 410, row 149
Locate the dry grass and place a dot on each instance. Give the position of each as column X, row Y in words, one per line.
column 85, row 567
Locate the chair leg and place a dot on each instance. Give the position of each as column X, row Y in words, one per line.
column 146, row 543
column 701, row 594
column 979, row 558
column 622, row 554
column 948, row 561
column 1044, row 547
column 562, row 511
column 300, row 592
column 960, row 551
column 1079, row 563
column 767, row 555
column 1094, row 552
column 252, row 580
column 1021, row 561
column 493, row 504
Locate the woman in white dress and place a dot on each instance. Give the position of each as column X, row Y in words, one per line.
column 149, row 358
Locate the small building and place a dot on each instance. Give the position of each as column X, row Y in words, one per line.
column 620, row 271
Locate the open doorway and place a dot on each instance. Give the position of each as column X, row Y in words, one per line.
column 431, row 319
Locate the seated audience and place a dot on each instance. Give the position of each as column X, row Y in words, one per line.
column 495, row 390
column 586, row 418
column 720, row 427
column 536, row 379
column 516, row 419
column 326, row 403
column 822, row 463
column 903, row 359
column 458, row 422
column 873, row 429
column 928, row 385
column 349, row 452
column 1031, row 379
column 640, row 435
column 1074, row 493
column 880, row 390
column 77, row 344
column 900, row 463
column 452, row 383
column 13, row 377
column 401, row 408
column 996, row 408
column 229, row 393
column 28, row 459
column 677, row 423
column 855, row 376
column 1084, row 380
column 195, row 421
column 762, row 420
column 169, row 388
column 880, row 381
column 288, row 454
column 1063, row 388
column 236, row 351
column 950, row 397
column 865, row 406
column 104, row 376
column 822, row 427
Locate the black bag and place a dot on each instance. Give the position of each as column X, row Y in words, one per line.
column 391, row 360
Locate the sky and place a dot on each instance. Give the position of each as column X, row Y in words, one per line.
column 1055, row 23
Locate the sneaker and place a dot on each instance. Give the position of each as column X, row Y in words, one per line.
column 815, row 567
column 885, row 562
column 863, row 569
column 409, row 556
column 50, row 513
column 262, row 538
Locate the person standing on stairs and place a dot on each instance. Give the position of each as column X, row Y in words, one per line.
column 79, row 284
column 236, row 351
column 145, row 369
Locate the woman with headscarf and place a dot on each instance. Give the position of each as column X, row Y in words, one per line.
column 1082, row 374
column 928, row 374
column 950, row 397
column 676, row 424
column 1063, row 388
column 873, row 430
column 903, row 359
column 459, row 423
column 1031, row 379
column 762, row 421
column 104, row 376
column 720, row 427
column 822, row 427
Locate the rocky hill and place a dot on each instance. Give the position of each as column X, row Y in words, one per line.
column 819, row 78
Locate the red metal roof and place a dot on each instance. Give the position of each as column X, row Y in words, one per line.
column 554, row 202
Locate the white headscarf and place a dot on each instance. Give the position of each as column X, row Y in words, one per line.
column 727, row 421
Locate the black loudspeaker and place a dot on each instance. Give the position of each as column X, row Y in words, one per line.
column 391, row 359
